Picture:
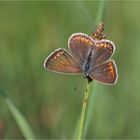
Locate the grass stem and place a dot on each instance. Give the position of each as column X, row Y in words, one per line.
column 83, row 113
column 19, row 118
column 100, row 13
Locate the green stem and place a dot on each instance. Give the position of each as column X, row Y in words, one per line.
column 100, row 13
column 19, row 118
column 21, row 121
column 84, row 106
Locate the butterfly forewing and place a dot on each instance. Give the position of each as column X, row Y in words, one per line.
column 79, row 46
column 103, row 50
column 105, row 73
column 61, row 61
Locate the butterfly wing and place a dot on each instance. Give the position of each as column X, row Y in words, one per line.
column 105, row 73
column 61, row 61
column 102, row 51
column 80, row 45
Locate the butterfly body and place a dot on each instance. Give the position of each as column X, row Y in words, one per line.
column 89, row 60
column 87, row 66
column 87, row 56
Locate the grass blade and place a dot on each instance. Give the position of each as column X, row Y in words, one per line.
column 19, row 118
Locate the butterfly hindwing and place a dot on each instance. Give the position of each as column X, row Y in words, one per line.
column 61, row 61
column 105, row 73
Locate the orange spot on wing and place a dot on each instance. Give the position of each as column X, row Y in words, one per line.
column 78, row 38
column 61, row 52
column 97, row 45
column 86, row 40
column 112, row 69
column 102, row 45
column 90, row 43
column 55, row 57
column 58, row 54
column 82, row 39
column 105, row 46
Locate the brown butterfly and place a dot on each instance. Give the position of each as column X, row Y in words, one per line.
column 87, row 55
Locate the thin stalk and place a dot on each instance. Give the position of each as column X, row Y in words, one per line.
column 100, row 12
column 21, row 121
column 83, row 113
column 19, row 118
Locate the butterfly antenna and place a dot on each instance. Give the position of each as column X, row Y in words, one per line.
column 99, row 33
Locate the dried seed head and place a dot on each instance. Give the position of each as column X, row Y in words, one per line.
column 99, row 33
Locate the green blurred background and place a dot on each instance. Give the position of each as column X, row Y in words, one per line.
column 29, row 31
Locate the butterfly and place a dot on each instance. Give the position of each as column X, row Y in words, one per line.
column 87, row 55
